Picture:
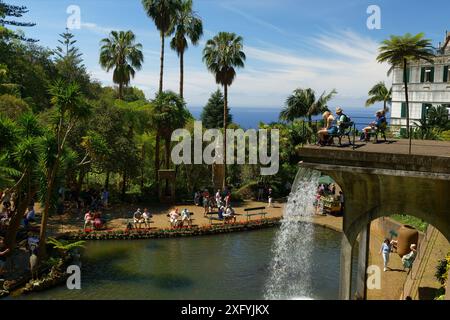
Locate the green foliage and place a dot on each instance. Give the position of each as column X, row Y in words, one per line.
column 417, row 223
column 222, row 54
column 65, row 246
column 12, row 106
column 379, row 93
column 212, row 114
column 303, row 103
column 121, row 53
column 442, row 270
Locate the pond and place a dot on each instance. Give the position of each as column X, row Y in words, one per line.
column 230, row 266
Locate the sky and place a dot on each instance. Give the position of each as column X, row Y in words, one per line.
column 289, row 44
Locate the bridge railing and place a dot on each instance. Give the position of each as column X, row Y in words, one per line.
column 417, row 132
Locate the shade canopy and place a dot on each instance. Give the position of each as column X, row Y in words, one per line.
column 326, row 180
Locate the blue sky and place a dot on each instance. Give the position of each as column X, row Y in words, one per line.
column 322, row 44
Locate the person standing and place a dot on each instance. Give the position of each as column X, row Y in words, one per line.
column 385, row 251
column 341, row 203
column 105, row 197
column 4, row 252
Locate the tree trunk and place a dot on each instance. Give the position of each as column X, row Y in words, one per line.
column 121, row 91
column 46, row 212
column 181, row 75
column 157, row 150
column 106, row 186
column 225, row 108
column 161, row 72
column 167, row 149
column 124, row 184
column 80, row 180
column 142, row 168
column 309, row 120
column 405, row 64
column 16, row 219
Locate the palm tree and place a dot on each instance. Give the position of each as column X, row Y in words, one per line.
column 303, row 103
column 380, row 93
column 187, row 24
column 168, row 114
column 121, row 52
column 163, row 13
column 222, row 55
column 398, row 51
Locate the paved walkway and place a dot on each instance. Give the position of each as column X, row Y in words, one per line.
column 419, row 147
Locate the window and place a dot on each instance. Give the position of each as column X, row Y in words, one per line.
column 427, row 74
column 408, row 75
column 446, row 77
column 425, row 108
column 403, row 111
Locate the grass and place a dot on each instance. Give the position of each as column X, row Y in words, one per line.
column 417, row 223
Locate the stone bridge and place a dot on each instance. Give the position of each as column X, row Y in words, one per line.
column 380, row 180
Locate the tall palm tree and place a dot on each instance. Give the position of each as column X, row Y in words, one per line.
column 398, row 51
column 187, row 25
column 163, row 13
column 121, row 52
column 380, row 93
column 222, row 55
column 303, row 103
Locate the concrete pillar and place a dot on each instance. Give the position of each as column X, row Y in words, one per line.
column 363, row 261
column 345, row 281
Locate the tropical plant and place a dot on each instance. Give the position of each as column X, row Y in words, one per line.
column 70, row 106
column 380, row 93
column 163, row 13
column 438, row 116
column 212, row 114
column 169, row 113
column 187, row 26
column 303, row 103
column 121, row 53
column 222, row 55
column 399, row 51
column 65, row 246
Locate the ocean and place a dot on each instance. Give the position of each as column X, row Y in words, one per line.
column 249, row 118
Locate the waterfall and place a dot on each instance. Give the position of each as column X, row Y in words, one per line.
column 290, row 268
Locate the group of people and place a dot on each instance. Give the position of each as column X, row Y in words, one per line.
column 389, row 245
column 328, row 190
column 93, row 199
column 142, row 218
column 94, row 219
column 334, row 125
column 220, row 199
column 177, row 219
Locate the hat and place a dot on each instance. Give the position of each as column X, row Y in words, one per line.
column 339, row 110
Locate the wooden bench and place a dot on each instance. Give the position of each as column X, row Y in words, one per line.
column 344, row 130
column 249, row 212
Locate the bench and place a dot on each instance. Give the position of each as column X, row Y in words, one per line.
column 380, row 131
column 249, row 212
column 344, row 130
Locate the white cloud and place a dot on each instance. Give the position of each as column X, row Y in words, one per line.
column 96, row 28
column 344, row 60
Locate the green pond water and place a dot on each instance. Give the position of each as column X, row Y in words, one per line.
column 230, row 266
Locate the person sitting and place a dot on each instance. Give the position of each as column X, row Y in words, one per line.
column 98, row 222
column 186, row 216
column 329, row 129
column 229, row 215
column 4, row 255
column 380, row 123
column 173, row 218
column 138, row 219
column 409, row 258
column 220, row 212
column 29, row 217
column 147, row 216
column 88, row 219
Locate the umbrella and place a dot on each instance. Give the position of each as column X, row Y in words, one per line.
column 325, row 180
